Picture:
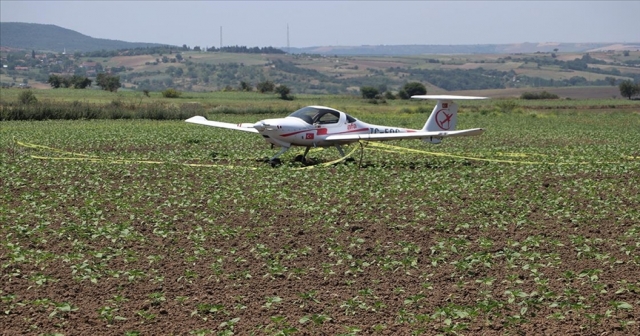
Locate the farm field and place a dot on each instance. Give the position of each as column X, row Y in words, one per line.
column 584, row 98
column 581, row 94
column 335, row 74
column 139, row 227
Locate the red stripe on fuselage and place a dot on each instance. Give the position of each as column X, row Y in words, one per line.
column 298, row 132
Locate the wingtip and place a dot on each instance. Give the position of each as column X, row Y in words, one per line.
column 195, row 118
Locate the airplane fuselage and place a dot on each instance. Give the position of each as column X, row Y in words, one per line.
column 292, row 131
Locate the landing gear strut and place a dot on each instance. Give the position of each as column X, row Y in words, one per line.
column 275, row 161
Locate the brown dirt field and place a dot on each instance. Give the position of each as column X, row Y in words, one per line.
column 345, row 272
column 132, row 61
column 363, row 64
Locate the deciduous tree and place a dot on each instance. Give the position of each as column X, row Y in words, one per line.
column 266, row 86
column 284, row 91
column 414, row 88
column 108, row 82
column 77, row 82
column 369, row 92
column 54, row 81
column 244, row 86
column 629, row 89
column 80, row 82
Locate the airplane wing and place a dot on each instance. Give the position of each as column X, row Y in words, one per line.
column 246, row 127
column 400, row 136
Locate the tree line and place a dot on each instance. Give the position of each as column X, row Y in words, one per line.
column 107, row 82
column 161, row 50
column 578, row 64
column 408, row 90
column 456, row 79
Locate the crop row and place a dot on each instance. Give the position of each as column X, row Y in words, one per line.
column 408, row 243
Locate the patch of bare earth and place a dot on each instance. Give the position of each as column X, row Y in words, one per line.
column 406, row 274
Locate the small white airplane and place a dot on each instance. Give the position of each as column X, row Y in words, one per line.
column 321, row 126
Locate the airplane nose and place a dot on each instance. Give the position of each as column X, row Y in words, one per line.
column 262, row 125
column 259, row 126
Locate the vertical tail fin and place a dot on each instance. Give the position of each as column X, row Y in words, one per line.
column 444, row 116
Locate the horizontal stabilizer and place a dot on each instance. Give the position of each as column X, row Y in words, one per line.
column 247, row 127
column 400, row 136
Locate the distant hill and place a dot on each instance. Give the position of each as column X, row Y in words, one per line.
column 400, row 50
column 45, row 37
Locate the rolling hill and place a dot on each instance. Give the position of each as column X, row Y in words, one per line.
column 403, row 50
column 333, row 70
column 44, row 37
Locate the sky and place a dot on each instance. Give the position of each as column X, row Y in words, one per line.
column 336, row 23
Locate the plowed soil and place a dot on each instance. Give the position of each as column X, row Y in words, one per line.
column 171, row 258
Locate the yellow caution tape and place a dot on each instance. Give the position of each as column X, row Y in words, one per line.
column 28, row 145
column 93, row 158
column 397, row 149
column 326, row 164
column 403, row 149
column 363, row 145
column 127, row 161
column 518, row 154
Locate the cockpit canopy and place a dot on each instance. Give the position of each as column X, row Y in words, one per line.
column 320, row 115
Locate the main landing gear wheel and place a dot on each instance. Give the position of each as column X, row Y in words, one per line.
column 275, row 162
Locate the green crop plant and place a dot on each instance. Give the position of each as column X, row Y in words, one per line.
column 108, row 314
column 146, row 315
column 466, row 243
column 157, row 298
column 271, row 302
column 307, row 297
column 315, row 319
column 207, row 310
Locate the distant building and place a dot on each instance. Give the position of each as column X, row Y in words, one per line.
column 90, row 66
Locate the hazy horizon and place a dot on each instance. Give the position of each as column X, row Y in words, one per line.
column 337, row 23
